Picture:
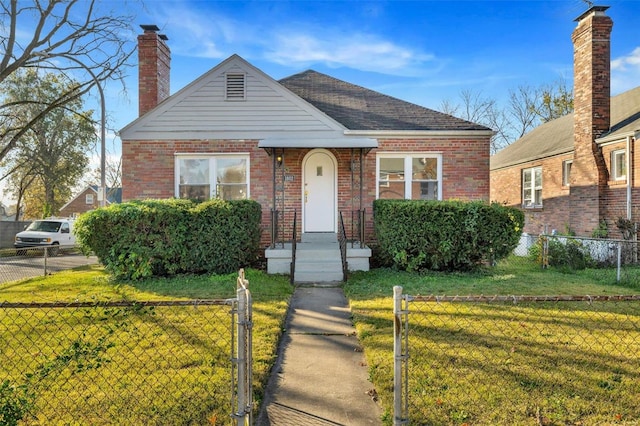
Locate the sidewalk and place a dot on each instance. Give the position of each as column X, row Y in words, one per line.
column 320, row 377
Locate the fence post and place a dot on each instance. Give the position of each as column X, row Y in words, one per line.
column 46, row 253
column 398, row 358
column 619, row 261
column 244, row 347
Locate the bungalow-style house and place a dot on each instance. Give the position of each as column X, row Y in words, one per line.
column 313, row 150
column 577, row 172
column 87, row 199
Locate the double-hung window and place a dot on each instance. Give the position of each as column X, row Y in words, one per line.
column 532, row 187
column 414, row 176
column 619, row 165
column 201, row 177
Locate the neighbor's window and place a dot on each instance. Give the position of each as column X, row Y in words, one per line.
column 532, row 187
column 409, row 176
column 566, row 172
column 215, row 176
column 88, row 199
column 619, row 165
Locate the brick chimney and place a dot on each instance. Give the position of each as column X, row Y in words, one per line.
column 154, row 64
column 592, row 96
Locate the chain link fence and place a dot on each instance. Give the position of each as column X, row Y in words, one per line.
column 39, row 261
column 607, row 260
column 523, row 360
column 133, row 363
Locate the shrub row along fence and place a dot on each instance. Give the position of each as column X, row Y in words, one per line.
column 135, row 363
column 617, row 260
column 516, row 360
column 39, row 261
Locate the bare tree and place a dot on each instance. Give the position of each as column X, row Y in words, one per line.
column 476, row 108
column 526, row 108
column 99, row 39
column 521, row 109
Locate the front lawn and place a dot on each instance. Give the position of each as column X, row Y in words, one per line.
column 503, row 363
column 160, row 365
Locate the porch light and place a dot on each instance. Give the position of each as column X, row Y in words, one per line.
column 279, row 159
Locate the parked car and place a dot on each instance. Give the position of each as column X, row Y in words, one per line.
column 54, row 232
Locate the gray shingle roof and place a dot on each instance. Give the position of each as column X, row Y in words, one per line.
column 556, row 136
column 358, row 108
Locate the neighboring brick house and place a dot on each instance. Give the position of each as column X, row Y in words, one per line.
column 87, row 200
column 578, row 171
column 308, row 143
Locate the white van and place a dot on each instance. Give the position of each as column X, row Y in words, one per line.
column 54, row 232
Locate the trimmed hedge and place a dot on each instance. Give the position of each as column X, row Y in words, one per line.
column 139, row 239
column 418, row 235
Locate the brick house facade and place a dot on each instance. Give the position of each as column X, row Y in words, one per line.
column 87, row 199
column 575, row 173
column 309, row 144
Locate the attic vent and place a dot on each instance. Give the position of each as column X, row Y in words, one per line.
column 235, row 87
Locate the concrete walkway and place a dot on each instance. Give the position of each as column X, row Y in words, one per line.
column 320, row 377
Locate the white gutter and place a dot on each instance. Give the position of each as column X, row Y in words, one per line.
column 630, row 175
column 419, row 133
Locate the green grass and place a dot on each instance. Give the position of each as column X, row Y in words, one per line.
column 162, row 365
column 503, row 364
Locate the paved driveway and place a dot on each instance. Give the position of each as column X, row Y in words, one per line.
column 18, row 267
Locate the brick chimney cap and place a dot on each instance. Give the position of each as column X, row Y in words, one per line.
column 591, row 10
column 150, row 28
column 163, row 37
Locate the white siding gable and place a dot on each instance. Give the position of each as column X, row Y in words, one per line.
column 202, row 110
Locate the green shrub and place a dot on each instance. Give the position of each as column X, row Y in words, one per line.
column 565, row 254
column 444, row 235
column 147, row 238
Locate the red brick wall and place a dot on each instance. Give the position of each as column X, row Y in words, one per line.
column 79, row 205
column 615, row 195
column 148, row 172
column 506, row 188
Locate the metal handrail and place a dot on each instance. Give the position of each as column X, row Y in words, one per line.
column 342, row 239
column 274, row 227
column 358, row 228
column 294, row 244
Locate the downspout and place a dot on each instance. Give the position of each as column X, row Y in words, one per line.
column 630, row 174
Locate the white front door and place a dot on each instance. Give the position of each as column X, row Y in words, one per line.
column 319, row 192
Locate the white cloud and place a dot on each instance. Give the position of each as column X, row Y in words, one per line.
column 364, row 52
column 625, row 72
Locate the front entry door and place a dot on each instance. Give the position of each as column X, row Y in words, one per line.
column 319, row 193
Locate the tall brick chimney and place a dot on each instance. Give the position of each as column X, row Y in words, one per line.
column 154, row 64
column 592, row 96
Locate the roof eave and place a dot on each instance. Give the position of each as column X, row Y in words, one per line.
column 381, row 134
column 617, row 137
column 531, row 159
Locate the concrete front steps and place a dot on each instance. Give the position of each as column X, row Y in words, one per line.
column 317, row 259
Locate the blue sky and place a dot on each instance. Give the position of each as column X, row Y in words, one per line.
column 424, row 52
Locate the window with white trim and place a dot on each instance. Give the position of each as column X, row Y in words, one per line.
column 88, row 199
column 618, row 165
column 201, row 177
column 532, row 187
column 566, row 172
column 414, row 176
